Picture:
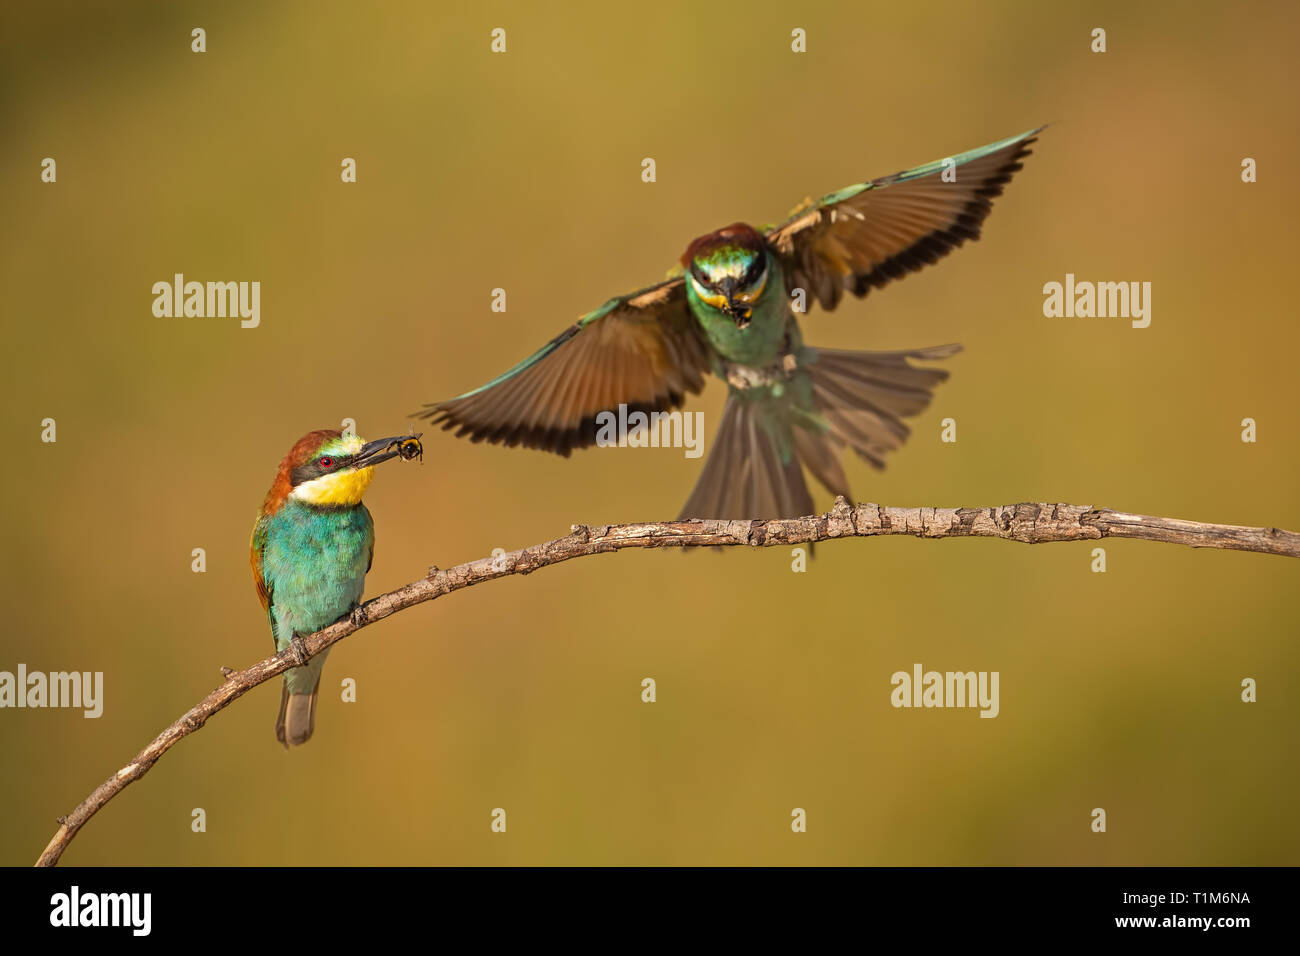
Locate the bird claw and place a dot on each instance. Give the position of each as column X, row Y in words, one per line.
column 299, row 648
column 358, row 615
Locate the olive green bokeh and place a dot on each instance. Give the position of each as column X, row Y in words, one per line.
column 522, row 171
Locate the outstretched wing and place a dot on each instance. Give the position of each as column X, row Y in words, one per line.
column 643, row 350
column 867, row 234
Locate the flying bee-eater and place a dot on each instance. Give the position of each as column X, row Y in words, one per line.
column 731, row 310
column 312, row 546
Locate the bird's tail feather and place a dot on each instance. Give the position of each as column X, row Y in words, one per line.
column 861, row 397
column 744, row 476
column 297, row 717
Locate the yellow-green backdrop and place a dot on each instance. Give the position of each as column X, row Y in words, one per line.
column 522, row 171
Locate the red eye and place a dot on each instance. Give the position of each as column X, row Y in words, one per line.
column 327, row 462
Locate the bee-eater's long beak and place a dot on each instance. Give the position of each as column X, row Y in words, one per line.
column 739, row 311
column 373, row 452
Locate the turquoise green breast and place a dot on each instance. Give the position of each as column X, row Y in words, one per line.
column 759, row 342
column 314, row 563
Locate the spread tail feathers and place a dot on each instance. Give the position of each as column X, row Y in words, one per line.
column 744, row 476
column 297, row 717
column 861, row 397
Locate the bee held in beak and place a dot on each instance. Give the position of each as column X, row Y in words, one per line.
column 404, row 446
column 739, row 310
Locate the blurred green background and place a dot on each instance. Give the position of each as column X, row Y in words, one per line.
column 476, row 171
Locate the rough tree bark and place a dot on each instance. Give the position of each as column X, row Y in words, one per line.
column 1027, row 523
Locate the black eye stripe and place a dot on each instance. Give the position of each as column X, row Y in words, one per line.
column 313, row 469
column 753, row 273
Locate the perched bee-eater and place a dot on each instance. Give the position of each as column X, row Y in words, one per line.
column 731, row 311
column 312, row 546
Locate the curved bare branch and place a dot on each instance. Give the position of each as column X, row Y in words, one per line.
column 1026, row 523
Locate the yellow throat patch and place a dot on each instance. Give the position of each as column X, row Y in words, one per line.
column 340, row 489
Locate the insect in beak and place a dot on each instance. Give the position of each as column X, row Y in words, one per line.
column 739, row 310
column 372, row 453
column 409, row 448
